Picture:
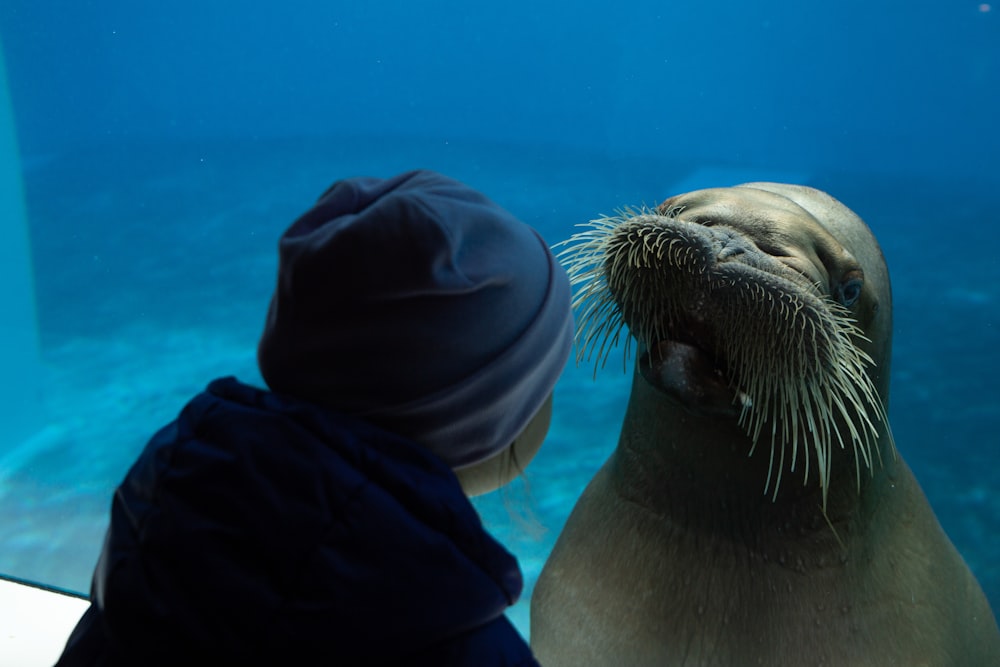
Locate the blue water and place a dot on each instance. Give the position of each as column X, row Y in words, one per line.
column 164, row 150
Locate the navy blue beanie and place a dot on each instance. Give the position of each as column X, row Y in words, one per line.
column 419, row 304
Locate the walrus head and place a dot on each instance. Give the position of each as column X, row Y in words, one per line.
column 746, row 304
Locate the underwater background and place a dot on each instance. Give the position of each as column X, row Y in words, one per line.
column 163, row 149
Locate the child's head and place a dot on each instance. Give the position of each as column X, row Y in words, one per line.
column 419, row 304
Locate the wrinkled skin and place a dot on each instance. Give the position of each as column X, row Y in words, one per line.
column 673, row 556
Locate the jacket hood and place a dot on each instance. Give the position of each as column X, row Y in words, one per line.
column 259, row 515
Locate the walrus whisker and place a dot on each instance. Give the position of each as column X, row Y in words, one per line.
column 797, row 352
column 836, row 535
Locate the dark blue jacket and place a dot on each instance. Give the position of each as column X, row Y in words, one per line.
column 259, row 529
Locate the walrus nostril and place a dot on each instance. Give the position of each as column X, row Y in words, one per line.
column 730, row 251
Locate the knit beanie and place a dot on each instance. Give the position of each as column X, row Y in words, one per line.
column 420, row 305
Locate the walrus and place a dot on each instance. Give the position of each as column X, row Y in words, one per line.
column 756, row 510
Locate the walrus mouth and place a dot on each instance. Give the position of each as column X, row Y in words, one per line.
column 727, row 330
column 692, row 377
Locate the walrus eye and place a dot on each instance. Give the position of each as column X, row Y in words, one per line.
column 849, row 291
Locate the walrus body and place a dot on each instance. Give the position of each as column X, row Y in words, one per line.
column 684, row 549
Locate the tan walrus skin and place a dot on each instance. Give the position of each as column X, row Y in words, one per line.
column 755, row 511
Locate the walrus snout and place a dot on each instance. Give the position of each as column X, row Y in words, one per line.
column 676, row 299
column 692, row 282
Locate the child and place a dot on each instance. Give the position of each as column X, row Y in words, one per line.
column 411, row 348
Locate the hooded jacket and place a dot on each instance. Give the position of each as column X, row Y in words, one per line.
column 260, row 529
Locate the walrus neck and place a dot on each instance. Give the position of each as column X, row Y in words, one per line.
column 695, row 474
